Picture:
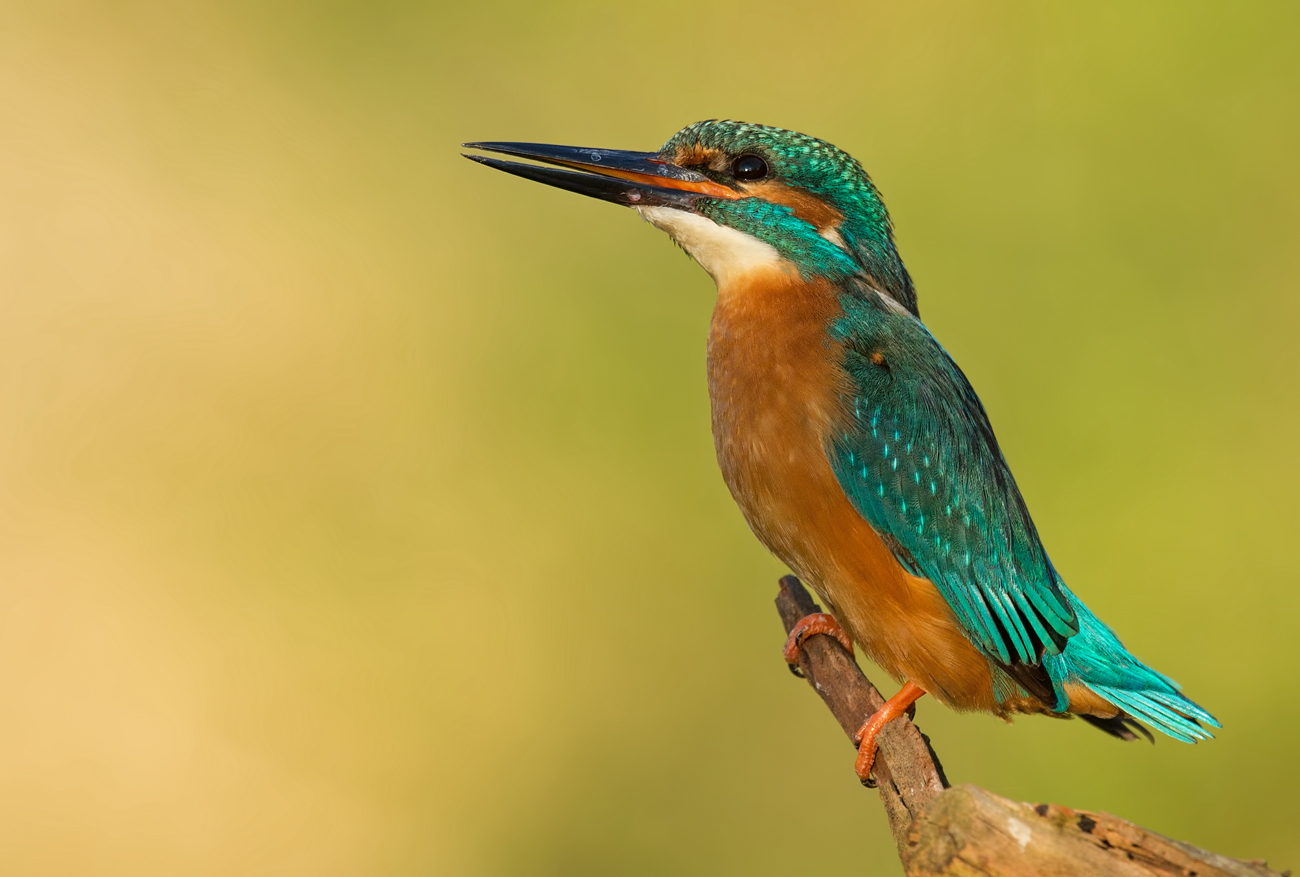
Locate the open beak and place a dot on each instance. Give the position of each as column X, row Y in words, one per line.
column 634, row 179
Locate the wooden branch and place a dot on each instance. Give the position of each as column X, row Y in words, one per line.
column 967, row 831
column 908, row 774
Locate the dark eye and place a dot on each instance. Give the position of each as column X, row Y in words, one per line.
column 749, row 167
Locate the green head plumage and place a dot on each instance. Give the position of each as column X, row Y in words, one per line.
column 736, row 195
column 812, row 202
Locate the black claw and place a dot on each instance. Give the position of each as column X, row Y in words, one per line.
column 911, row 712
column 870, row 782
column 794, row 668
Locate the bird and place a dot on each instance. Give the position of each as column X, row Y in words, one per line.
column 855, row 447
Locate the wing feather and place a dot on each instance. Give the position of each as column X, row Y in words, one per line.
column 918, row 460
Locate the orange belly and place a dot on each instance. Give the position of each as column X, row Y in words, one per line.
column 774, row 384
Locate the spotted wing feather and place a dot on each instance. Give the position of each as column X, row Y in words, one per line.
column 918, row 459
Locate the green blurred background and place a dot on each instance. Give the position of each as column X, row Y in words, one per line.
column 359, row 513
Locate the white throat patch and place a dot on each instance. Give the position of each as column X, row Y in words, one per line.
column 725, row 253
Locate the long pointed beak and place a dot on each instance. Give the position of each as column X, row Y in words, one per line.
column 634, row 179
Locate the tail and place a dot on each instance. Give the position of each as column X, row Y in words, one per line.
column 1097, row 660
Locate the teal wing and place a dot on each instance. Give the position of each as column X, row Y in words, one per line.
column 918, row 459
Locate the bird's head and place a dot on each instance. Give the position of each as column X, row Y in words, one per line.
column 740, row 197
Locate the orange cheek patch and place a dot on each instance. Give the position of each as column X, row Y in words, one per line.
column 806, row 206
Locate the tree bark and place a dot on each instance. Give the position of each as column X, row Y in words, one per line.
column 967, row 831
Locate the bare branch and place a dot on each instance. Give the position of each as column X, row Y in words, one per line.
column 907, row 772
column 966, row 830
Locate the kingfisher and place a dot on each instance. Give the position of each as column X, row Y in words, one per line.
column 855, row 447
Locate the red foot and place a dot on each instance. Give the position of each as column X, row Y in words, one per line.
column 894, row 707
column 818, row 622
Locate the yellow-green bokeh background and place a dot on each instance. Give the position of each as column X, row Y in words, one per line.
column 359, row 513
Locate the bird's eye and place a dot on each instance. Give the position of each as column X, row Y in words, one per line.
column 749, row 167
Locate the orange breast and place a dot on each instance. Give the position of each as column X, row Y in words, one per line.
column 775, row 384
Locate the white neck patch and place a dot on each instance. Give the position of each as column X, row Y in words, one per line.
column 725, row 253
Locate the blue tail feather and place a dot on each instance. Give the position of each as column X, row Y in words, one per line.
column 1096, row 659
column 1144, row 708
